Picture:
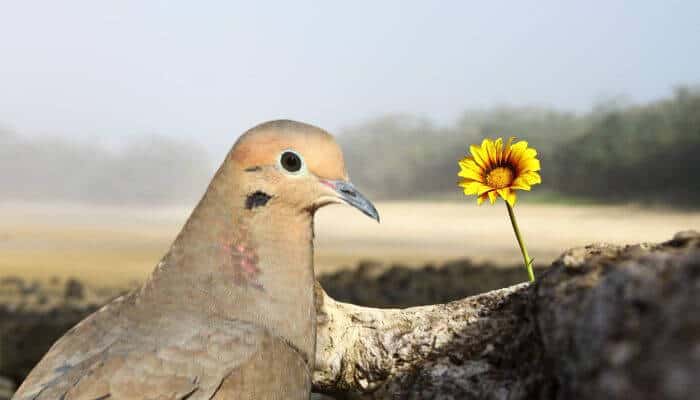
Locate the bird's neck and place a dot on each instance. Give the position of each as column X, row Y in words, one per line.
column 252, row 265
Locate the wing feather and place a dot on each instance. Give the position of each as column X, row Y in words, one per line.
column 165, row 360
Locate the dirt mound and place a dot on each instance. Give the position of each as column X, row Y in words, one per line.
column 34, row 314
column 375, row 285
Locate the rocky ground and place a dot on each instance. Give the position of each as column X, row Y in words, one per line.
column 605, row 321
column 623, row 322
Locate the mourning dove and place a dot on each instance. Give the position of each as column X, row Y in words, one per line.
column 228, row 313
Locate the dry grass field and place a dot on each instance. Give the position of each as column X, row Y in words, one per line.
column 111, row 246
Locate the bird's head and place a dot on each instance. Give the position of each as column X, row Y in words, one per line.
column 291, row 164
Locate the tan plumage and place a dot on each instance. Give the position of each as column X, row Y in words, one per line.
column 228, row 313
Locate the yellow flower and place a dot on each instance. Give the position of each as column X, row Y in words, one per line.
column 494, row 170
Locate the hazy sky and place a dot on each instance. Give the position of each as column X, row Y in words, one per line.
column 207, row 70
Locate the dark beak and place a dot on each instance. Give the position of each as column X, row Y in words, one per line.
column 347, row 192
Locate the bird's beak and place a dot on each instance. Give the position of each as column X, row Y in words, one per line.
column 346, row 192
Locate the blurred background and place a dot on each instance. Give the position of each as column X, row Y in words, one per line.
column 114, row 116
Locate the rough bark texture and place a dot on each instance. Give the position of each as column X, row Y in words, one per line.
column 624, row 322
column 462, row 349
column 602, row 322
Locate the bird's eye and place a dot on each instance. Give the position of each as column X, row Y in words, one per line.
column 291, row 161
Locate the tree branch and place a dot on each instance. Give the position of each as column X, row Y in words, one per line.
column 415, row 352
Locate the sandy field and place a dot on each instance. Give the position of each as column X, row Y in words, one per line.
column 114, row 246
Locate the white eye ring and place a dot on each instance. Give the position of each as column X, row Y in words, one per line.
column 291, row 162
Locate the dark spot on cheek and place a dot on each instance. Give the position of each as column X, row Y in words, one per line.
column 257, row 199
column 253, row 169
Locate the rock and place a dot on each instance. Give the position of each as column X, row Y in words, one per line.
column 624, row 322
column 375, row 285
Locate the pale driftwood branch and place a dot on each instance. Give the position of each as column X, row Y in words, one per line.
column 416, row 352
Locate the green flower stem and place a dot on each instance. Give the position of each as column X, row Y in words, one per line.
column 523, row 249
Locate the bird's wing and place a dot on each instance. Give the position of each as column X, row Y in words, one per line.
column 185, row 360
column 277, row 371
column 87, row 340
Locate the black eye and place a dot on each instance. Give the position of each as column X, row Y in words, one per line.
column 290, row 161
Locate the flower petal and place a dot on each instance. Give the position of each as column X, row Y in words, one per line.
column 507, row 150
column 481, row 199
column 469, row 163
column 516, row 152
column 470, row 174
column 471, row 187
column 485, row 189
column 469, row 168
column 531, row 164
column 513, row 198
column 521, row 184
column 519, row 146
column 529, row 153
column 498, row 151
column 532, row 178
column 493, row 196
column 480, row 157
column 487, row 150
column 507, row 195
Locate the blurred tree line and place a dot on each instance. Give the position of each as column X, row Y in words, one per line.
column 624, row 153
column 643, row 153
column 148, row 170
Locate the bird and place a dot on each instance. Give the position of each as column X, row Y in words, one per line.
column 228, row 312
